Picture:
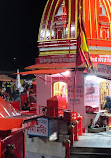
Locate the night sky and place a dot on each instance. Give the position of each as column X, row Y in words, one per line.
column 19, row 25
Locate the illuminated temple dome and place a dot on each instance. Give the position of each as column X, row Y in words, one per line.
column 58, row 28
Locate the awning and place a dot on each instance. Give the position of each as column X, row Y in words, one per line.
column 46, row 71
column 11, row 118
column 6, row 78
column 52, row 66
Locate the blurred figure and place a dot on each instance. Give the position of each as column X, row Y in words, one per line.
column 26, row 106
column 8, row 87
column 44, row 111
column 10, row 152
column 1, row 93
column 107, row 104
column 13, row 91
column 16, row 96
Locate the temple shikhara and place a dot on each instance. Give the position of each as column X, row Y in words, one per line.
column 58, row 28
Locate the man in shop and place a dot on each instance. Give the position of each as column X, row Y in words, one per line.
column 107, row 104
column 104, row 119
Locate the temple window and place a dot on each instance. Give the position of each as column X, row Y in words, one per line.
column 104, row 33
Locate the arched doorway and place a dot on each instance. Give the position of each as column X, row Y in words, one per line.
column 60, row 89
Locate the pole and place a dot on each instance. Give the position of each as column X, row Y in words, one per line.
column 76, row 62
column 1, row 148
column 20, row 100
column 74, row 90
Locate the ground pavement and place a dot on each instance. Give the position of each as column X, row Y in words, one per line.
column 92, row 145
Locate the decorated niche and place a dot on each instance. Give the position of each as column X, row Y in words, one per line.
column 104, row 21
column 60, row 24
column 58, row 20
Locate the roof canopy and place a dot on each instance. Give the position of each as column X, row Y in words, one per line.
column 52, row 66
column 6, row 78
column 46, row 71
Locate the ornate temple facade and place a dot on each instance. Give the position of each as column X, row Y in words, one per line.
column 58, row 28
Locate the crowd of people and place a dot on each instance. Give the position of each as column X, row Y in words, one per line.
column 10, row 93
column 25, row 95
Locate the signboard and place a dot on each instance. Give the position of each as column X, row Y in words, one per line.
column 49, row 59
column 41, row 128
column 66, row 58
column 91, row 91
column 45, row 128
column 104, row 70
column 101, row 59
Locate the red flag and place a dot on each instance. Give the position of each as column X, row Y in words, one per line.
column 82, row 53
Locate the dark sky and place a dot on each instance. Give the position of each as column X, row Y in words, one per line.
column 19, row 25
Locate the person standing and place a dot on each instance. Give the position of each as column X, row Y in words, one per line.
column 8, row 89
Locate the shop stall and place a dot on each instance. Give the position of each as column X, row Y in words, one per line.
column 13, row 124
column 96, row 89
